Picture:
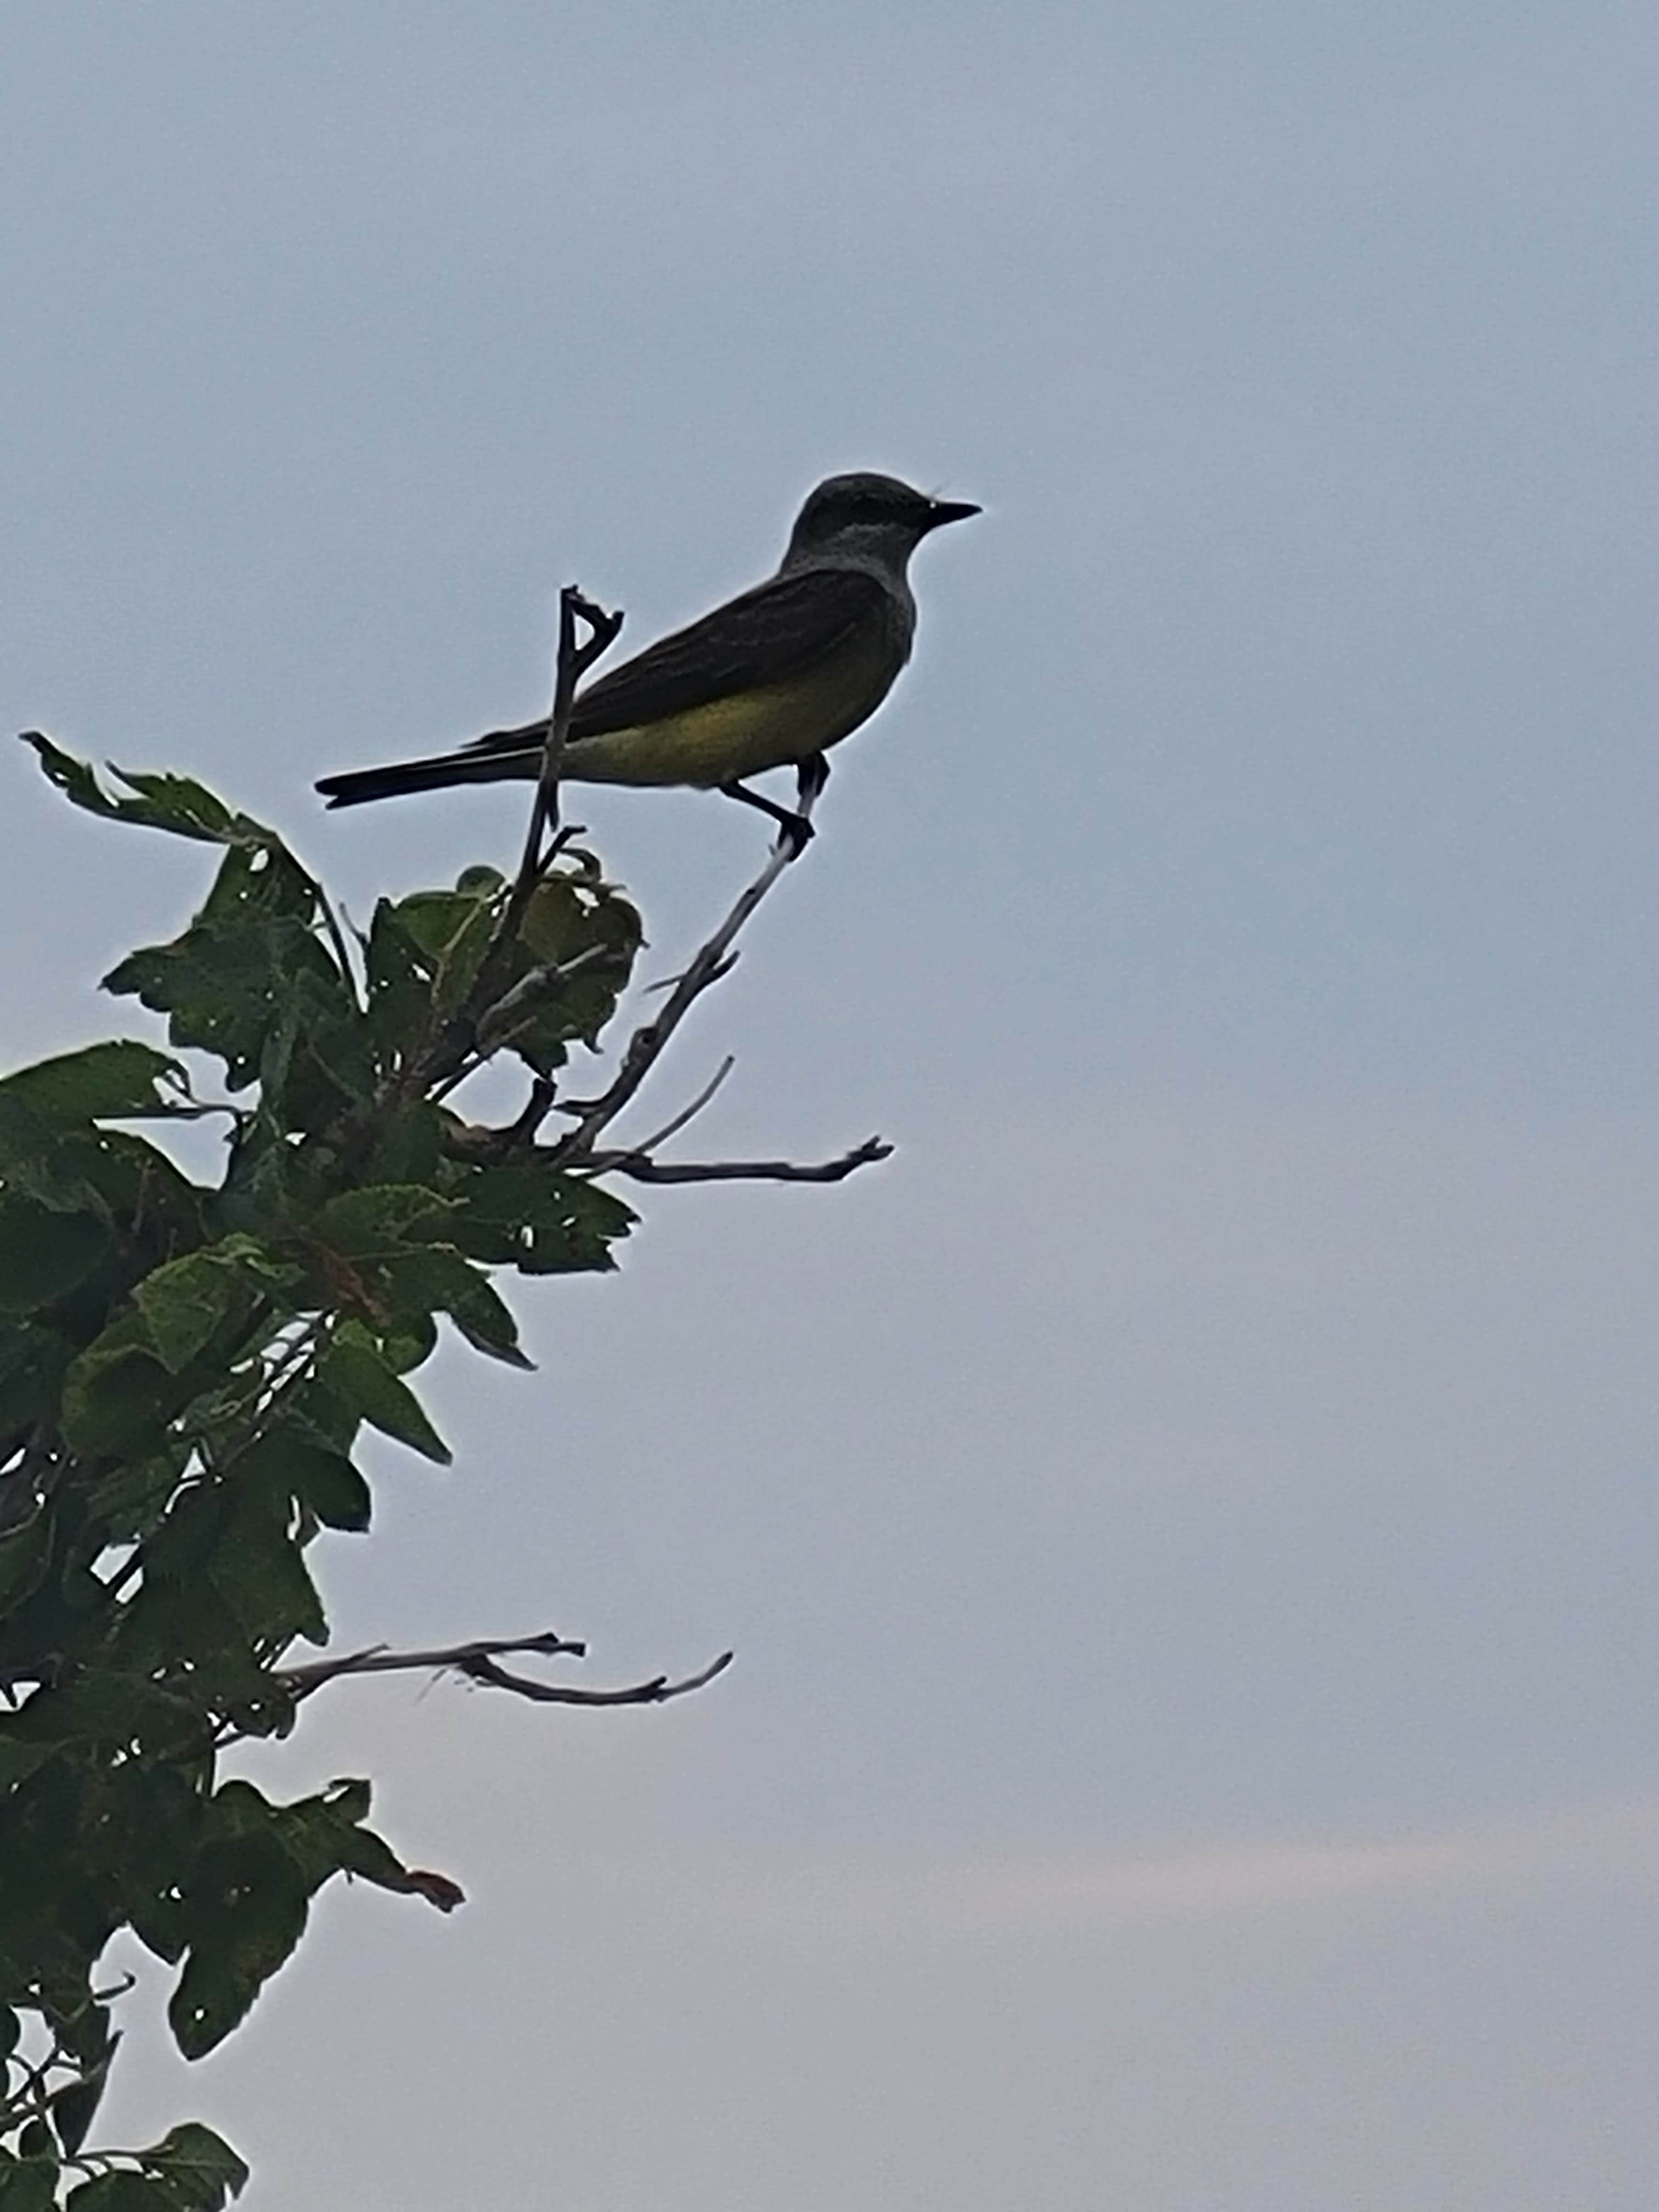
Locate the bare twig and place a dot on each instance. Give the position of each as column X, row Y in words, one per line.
column 476, row 1660
column 376, row 1659
column 642, row 1168
column 645, row 1047
column 657, row 1691
column 668, row 982
column 688, row 1113
column 454, row 1046
column 336, row 939
column 573, row 662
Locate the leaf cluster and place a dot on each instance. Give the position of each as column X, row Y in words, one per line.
column 186, row 1369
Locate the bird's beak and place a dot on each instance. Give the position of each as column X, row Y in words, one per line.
column 940, row 511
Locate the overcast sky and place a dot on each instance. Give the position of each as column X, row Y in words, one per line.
column 1188, row 1522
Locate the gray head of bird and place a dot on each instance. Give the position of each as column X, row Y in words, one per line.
column 870, row 515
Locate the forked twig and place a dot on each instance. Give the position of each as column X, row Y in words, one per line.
column 573, row 664
column 646, row 1046
column 476, row 1660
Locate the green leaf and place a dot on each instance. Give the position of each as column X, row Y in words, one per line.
column 250, row 973
column 45, row 1252
column 399, row 979
column 407, row 1341
column 188, row 808
column 353, row 1372
column 324, row 1482
column 199, row 2168
column 117, row 1395
column 568, row 915
column 73, row 777
column 32, row 1363
column 538, row 1221
column 326, row 1836
column 36, row 1161
column 19, row 1760
column 184, row 1303
column 73, row 2110
column 259, row 1568
column 249, row 1896
column 30, row 2185
column 23, row 1554
column 118, row 1081
column 436, row 1279
column 158, row 802
column 451, row 930
column 409, row 1144
column 247, row 1905
column 381, row 1218
column 120, row 2192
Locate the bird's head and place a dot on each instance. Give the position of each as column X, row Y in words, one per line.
column 869, row 514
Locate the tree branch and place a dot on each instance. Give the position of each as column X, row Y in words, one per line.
column 641, row 1168
column 688, row 1113
column 573, row 664
column 376, row 1659
column 657, row 1691
column 476, row 1660
column 647, row 1043
column 455, row 1043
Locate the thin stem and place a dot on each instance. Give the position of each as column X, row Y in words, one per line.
column 689, row 1113
column 476, row 1660
column 642, row 1168
column 646, row 1046
column 573, row 664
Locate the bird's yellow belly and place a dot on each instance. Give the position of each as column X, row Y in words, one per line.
column 744, row 735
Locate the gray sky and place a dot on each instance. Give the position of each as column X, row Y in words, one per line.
column 1188, row 1522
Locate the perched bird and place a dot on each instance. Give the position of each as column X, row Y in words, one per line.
column 771, row 679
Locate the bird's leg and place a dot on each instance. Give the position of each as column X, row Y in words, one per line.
column 811, row 777
column 793, row 829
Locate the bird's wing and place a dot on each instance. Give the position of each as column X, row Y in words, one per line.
column 765, row 636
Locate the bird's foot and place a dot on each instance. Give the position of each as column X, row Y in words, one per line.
column 794, row 830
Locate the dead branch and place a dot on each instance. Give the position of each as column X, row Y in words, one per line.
column 454, row 1051
column 573, row 664
column 476, row 1660
column 641, row 1168
column 657, row 1691
column 646, row 1046
column 688, row 1113
column 377, row 1659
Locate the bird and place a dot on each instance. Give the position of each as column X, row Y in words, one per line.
column 771, row 679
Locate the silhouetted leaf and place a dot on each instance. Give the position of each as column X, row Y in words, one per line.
column 120, row 2192
column 436, row 1279
column 198, row 2166
column 536, row 1219
column 44, row 1253
column 354, row 1371
column 117, row 1080
column 380, row 1219
column 118, row 1396
column 324, row 1482
column 30, row 2185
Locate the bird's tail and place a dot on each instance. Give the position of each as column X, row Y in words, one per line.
column 438, row 773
